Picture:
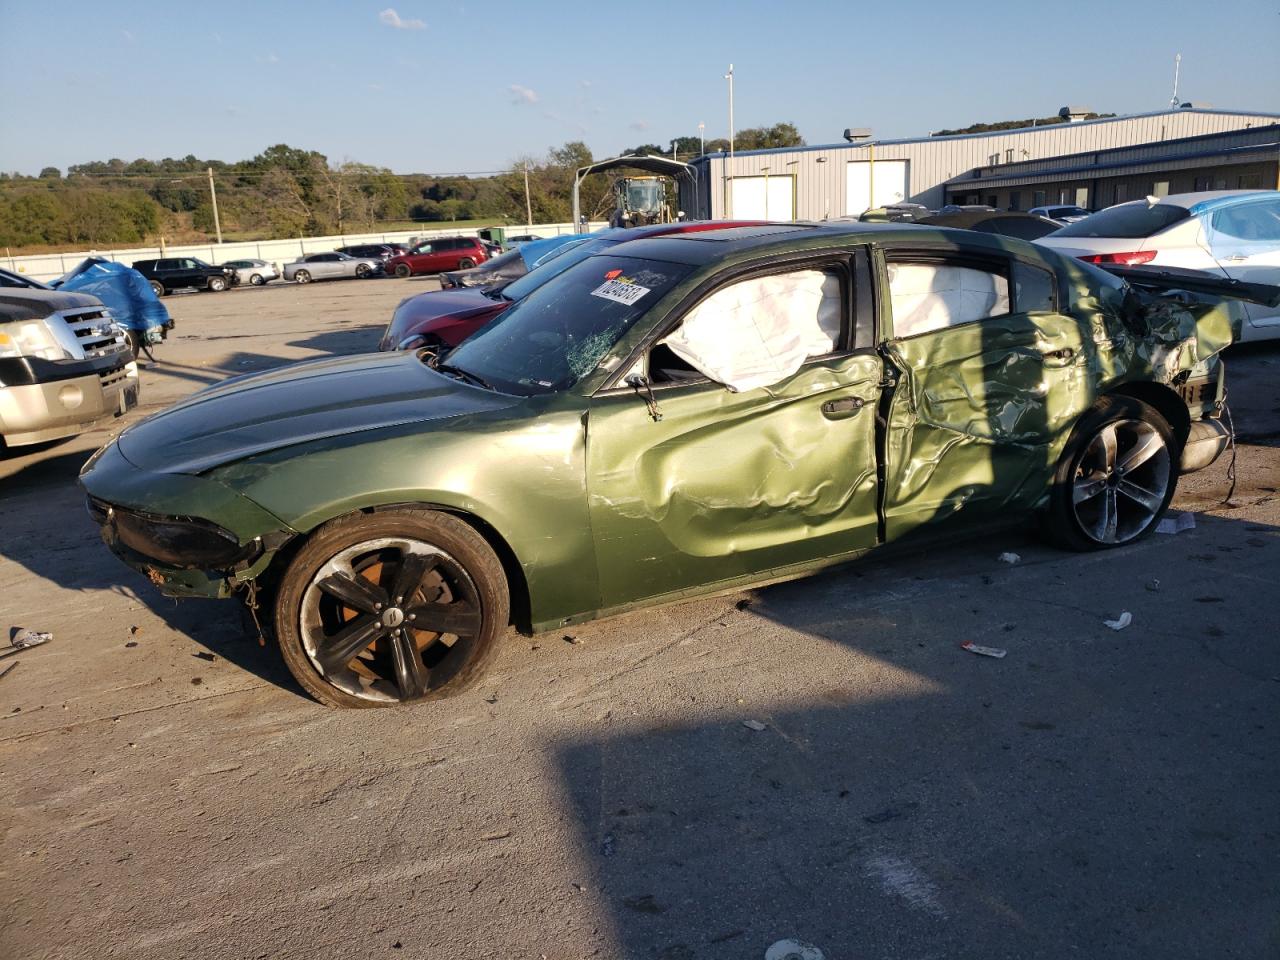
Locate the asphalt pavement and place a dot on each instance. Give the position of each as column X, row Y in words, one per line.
column 819, row 760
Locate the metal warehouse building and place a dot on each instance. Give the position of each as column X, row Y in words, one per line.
column 816, row 183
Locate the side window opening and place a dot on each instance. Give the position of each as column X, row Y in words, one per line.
column 1034, row 290
column 930, row 295
column 755, row 332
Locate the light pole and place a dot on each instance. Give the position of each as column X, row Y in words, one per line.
column 729, row 76
column 702, row 135
column 213, row 196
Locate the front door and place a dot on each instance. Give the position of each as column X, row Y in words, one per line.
column 1245, row 240
column 732, row 483
column 991, row 376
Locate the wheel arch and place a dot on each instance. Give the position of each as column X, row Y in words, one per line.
column 1165, row 401
column 517, row 583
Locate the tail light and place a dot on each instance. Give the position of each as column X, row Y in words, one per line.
column 1126, row 259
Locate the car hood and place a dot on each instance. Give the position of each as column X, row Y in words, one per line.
column 298, row 404
column 32, row 304
column 454, row 304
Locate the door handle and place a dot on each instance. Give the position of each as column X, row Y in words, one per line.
column 843, row 408
column 1058, row 358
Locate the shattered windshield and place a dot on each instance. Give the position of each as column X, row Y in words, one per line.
column 558, row 334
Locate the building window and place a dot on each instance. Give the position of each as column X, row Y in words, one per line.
column 1008, row 155
column 1064, row 196
column 1160, row 188
column 1249, row 181
column 1082, row 197
column 995, row 159
column 1203, row 183
column 1038, row 198
column 1122, row 193
column 1015, row 199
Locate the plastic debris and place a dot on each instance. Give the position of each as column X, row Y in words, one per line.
column 755, row 725
column 1009, row 558
column 1176, row 523
column 23, row 639
column 793, row 950
column 981, row 651
column 1120, row 622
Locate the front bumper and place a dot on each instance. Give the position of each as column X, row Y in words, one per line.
column 112, row 481
column 38, row 412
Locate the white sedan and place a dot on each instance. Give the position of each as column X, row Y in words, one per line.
column 1235, row 233
column 254, row 272
column 331, row 266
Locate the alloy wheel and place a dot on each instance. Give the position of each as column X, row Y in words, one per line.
column 390, row 619
column 1121, row 481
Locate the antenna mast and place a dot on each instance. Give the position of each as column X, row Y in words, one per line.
column 1177, row 68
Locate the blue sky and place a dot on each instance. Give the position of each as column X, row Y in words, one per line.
column 433, row 86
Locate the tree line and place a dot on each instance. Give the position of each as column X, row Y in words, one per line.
column 288, row 191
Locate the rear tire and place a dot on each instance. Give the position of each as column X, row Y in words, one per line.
column 342, row 614
column 1115, row 478
column 156, row 287
column 302, row 276
column 257, row 280
column 466, row 263
column 403, row 271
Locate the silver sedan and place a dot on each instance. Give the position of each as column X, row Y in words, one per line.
column 255, row 272
column 331, row 266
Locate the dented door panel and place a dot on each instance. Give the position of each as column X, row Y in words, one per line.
column 727, row 484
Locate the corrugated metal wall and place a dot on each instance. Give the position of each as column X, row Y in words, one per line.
column 820, row 171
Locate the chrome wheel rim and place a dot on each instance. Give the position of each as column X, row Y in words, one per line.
column 1121, row 481
column 390, row 619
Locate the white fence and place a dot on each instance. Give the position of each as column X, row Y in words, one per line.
column 50, row 266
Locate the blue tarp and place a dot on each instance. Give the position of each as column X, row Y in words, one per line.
column 125, row 291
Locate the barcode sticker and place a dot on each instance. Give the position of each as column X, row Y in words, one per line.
column 620, row 291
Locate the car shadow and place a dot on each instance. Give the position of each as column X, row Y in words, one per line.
column 890, row 794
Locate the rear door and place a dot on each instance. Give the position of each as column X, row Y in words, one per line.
column 704, row 484
column 1245, row 240
column 990, row 374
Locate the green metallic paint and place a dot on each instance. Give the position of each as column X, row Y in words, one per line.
column 606, row 509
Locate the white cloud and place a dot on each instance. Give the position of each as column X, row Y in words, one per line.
column 393, row 19
column 521, row 94
column 640, row 126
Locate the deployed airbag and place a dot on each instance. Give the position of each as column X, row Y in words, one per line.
column 931, row 296
column 758, row 332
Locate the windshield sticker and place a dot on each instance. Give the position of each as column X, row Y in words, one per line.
column 620, row 290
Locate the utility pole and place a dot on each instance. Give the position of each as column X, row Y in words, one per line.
column 729, row 76
column 213, row 195
column 1177, row 68
column 528, row 202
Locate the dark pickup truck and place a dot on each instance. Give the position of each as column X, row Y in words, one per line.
column 177, row 273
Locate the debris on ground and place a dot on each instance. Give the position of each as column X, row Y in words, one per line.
column 497, row 835
column 1153, row 586
column 898, row 812
column 9, row 669
column 793, row 950
column 607, row 845
column 492, row 698
column 131, row 643
column 134, row 630
column 1009, row 557
column 23, row 639
column 1120, row 622
column 982, row 651
column 743, row 603
column 755, row 725
column 205, row 655
column 570, row 638
column 1176, row 523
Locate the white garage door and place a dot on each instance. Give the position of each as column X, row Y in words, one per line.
column 762, row 198
column 890, row 185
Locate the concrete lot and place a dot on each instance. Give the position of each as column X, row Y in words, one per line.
column 169, row 792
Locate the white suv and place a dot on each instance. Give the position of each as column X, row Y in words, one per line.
column 1233, row 233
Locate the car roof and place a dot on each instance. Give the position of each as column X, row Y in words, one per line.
column 705, row 247
column 1207, row 199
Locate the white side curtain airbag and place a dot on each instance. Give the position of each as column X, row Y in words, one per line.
column 758, row 332
column 930, row 296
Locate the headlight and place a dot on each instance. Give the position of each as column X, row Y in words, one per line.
column 29, row 338
column 184, row 543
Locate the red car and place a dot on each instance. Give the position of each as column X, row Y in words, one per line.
column 438, row 255
column 444, row 318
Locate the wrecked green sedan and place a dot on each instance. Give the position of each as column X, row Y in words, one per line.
column 679, row 416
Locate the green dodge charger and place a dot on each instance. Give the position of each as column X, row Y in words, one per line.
column 679, row 416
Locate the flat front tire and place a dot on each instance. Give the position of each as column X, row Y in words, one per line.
column 391, row 608
column 1115, row 478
